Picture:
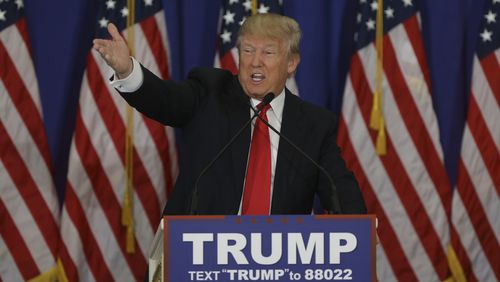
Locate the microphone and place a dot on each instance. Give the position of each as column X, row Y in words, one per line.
column 194, row 196
column 335, row 199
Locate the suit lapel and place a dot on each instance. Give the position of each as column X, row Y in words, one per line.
column 238, row 114
column 293, row 127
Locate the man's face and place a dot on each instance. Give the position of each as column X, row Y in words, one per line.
column 264, row 66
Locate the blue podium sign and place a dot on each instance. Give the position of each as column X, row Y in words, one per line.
column 269, row 248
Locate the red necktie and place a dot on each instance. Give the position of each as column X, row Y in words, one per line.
column 257, row 193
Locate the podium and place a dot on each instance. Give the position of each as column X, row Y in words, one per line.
column 155, row 257
column 264, row 248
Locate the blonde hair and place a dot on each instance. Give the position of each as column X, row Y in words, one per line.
column 273, row 26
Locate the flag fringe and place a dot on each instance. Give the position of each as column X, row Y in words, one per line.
column 61, row 273
column 50, row 275
column 455, row 266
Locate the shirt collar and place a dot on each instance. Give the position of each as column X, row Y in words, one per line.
column 277, row 104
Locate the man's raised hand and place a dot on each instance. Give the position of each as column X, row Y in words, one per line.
column 115, row 52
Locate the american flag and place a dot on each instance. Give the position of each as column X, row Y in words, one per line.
column 29, row 210
column 407, row 188
column 476, row 204
column 93, row 238
column 233, row 14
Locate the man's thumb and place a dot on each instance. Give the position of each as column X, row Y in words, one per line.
column 114, row 32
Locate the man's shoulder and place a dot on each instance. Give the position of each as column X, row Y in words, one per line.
column 312, row 111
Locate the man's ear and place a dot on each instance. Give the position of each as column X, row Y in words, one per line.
column 293, row 62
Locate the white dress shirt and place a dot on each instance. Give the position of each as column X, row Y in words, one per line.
column 130, row 83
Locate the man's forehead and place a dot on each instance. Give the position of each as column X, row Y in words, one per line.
column 260, row 40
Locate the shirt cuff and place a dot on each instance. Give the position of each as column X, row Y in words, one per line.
column 130, row 83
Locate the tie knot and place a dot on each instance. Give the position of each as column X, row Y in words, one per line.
column 262, row 108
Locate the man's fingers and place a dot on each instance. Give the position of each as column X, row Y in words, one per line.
column 114, row 32
column 114, row 51
column 99, row 42
column 99, row 45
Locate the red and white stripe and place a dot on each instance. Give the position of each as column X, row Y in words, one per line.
column 92, row 235
column 29, row 210
column 407, row 188
column 476, row 202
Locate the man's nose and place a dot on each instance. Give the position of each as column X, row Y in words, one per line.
column 256, row 59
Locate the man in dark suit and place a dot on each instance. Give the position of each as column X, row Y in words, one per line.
column 212, row 105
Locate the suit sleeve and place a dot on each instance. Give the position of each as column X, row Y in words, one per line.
column 348, row 191
column 166, row 101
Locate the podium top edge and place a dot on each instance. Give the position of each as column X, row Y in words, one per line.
column 316, row 216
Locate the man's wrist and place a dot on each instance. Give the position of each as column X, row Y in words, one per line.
column 128, row 72
column 131, row 82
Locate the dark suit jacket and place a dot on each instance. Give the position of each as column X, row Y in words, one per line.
column 210, row 106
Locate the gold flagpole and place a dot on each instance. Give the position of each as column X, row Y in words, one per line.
column 377, row 116
column 254, row 7
column 128, row 200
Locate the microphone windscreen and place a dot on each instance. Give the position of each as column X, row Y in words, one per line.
column 268, row 98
